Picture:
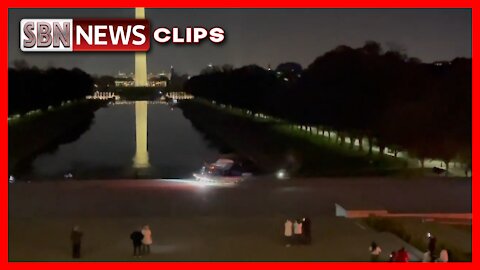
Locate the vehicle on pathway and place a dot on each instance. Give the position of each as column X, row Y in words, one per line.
column 222, row 171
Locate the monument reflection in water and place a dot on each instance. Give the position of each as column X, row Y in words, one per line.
column 141, row 160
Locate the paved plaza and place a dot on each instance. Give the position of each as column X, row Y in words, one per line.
column 203, row 223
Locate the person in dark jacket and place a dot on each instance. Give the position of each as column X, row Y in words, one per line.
column 76, row 238
column 137, row 238
column 432, row 244
column 307, row 232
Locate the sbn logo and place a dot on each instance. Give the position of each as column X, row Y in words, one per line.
column 46, row 35
column 67, row 35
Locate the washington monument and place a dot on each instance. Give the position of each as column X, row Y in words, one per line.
column 140, row 57
column 140, row 160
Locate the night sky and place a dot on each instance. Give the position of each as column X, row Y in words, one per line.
column 264, row 36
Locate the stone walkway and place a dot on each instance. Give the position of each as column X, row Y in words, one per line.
column 195, row 222
column 197, row 239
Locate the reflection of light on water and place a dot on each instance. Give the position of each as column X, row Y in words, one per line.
column 140, row 159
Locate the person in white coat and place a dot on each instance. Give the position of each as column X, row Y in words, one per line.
column 375, row 251
column 297, row 231
column 147, row 239
column 288, row 232
column 427, row 256
column 443, row 256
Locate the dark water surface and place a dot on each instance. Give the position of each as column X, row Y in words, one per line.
column 107, row 150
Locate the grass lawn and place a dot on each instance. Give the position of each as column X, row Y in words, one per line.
column 31, row 135
column 270, row 143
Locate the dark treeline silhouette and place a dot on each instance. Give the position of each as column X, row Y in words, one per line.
column 249, row 87
column 386, row 98
column 31, row 88
column 176, row 82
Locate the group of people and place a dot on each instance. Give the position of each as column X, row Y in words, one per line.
column 297, row 232
column 141, row 238
column 402, row 255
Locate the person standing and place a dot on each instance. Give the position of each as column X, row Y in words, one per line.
column 288, row 232
column 402, row 255
column 147, row 239
column 443, row 255
column 375, row 251
column 306, row 227
column 76, row 238
column 427, row 257
column 137, row 238
column 297, row 230
column 432, row 244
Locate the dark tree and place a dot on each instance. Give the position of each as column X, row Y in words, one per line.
column 32, row 89
column 387, row 98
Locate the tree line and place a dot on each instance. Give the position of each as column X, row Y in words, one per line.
column 384, row 97
column 31, row 88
